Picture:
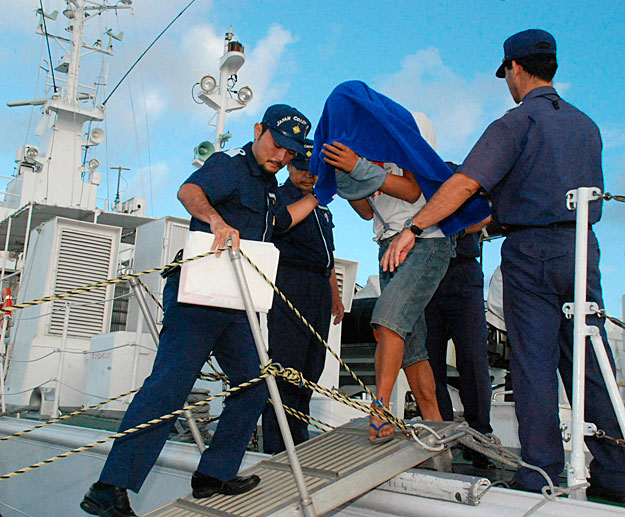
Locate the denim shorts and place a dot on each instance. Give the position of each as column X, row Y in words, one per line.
column 407, row 291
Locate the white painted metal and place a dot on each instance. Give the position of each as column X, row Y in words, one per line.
column 61, row 357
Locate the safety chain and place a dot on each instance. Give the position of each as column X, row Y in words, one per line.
column 617, row 441
column 104, row 283
column 139, row 427
column 65, row 417
column 608, row 197
column 602, row 314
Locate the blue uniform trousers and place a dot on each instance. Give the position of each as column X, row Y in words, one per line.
column 292, row 344
column 538, row 278
column 189, row 334
column 456, row 312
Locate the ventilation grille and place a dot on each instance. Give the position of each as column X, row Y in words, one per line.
column 340, row 277
column 84, row 258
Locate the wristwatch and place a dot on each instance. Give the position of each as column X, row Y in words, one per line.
column 413, row 227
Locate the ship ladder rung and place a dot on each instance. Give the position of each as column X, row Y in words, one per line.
column 338, row 466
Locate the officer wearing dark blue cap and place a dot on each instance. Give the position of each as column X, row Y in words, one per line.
column 527, row 161
column 307, row 277
column 456, row 312
column 233, row 195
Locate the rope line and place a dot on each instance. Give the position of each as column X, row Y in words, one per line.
column 105, row 283
column 135, row 429
column 65, row 417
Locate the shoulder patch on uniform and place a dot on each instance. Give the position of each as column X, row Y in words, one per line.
column 235, row 152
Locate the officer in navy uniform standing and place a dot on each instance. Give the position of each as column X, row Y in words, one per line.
column 527, row 161
column 232, row 196
column 307, row 277
column 456, row 312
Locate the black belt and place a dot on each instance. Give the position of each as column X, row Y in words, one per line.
column 305, row 266
column 509, row 228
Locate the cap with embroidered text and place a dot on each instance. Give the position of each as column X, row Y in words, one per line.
column 526, row 43
column 288, row 126
column 302, row 161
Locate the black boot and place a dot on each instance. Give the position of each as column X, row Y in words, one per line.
column 107, row 501
column 479, row 460
column 205, row 486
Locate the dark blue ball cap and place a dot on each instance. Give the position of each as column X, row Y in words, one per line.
column 288, row 126
column 302, row 161
column 526, row 43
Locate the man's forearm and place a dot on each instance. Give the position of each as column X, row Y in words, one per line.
column 362, row 208
column 196, row 203
column 447, row 199
column 300, row 209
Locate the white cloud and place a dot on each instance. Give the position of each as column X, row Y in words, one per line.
column 460, row 108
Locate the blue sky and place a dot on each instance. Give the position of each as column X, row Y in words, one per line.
column 438, row 58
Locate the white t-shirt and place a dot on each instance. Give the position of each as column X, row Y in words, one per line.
column 395, row 212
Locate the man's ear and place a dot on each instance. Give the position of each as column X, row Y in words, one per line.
column 258, row 129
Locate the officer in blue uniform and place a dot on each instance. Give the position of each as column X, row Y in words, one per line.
column 527, row 161
column 307, row 277
column 232, row 196
column 456, row 312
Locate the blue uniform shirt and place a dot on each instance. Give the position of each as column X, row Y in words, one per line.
column 311, row 240
column 244, row 195
column 532, row 156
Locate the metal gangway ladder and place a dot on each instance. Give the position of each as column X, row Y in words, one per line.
column 338, row 466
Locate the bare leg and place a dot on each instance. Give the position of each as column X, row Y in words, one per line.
column 388, row 357
column 421, row 380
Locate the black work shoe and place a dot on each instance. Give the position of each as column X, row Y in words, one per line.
column 107, row 501
column 205, row 486
column 597, row 491
column 479, row 460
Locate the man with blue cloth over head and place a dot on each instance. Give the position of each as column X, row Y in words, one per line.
column 527, row 161
column 376, row 158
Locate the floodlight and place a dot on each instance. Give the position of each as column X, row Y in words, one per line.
column 32, row 152
column 245, row 95
column 93, row 164
column 208, row 84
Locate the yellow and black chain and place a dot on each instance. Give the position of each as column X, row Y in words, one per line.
column 69, row 415
column 132, row 430
column 608, row 197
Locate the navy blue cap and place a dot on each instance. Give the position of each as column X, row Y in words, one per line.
column 526, row 43
column 288, row 126
column 302, row 161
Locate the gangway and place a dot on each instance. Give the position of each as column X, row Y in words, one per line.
column 338, row 466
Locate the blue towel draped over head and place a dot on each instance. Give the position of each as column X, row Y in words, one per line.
column 379, row 129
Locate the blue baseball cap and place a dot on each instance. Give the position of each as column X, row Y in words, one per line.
column 288, row 126
column 526, row 43
column 302, row 161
